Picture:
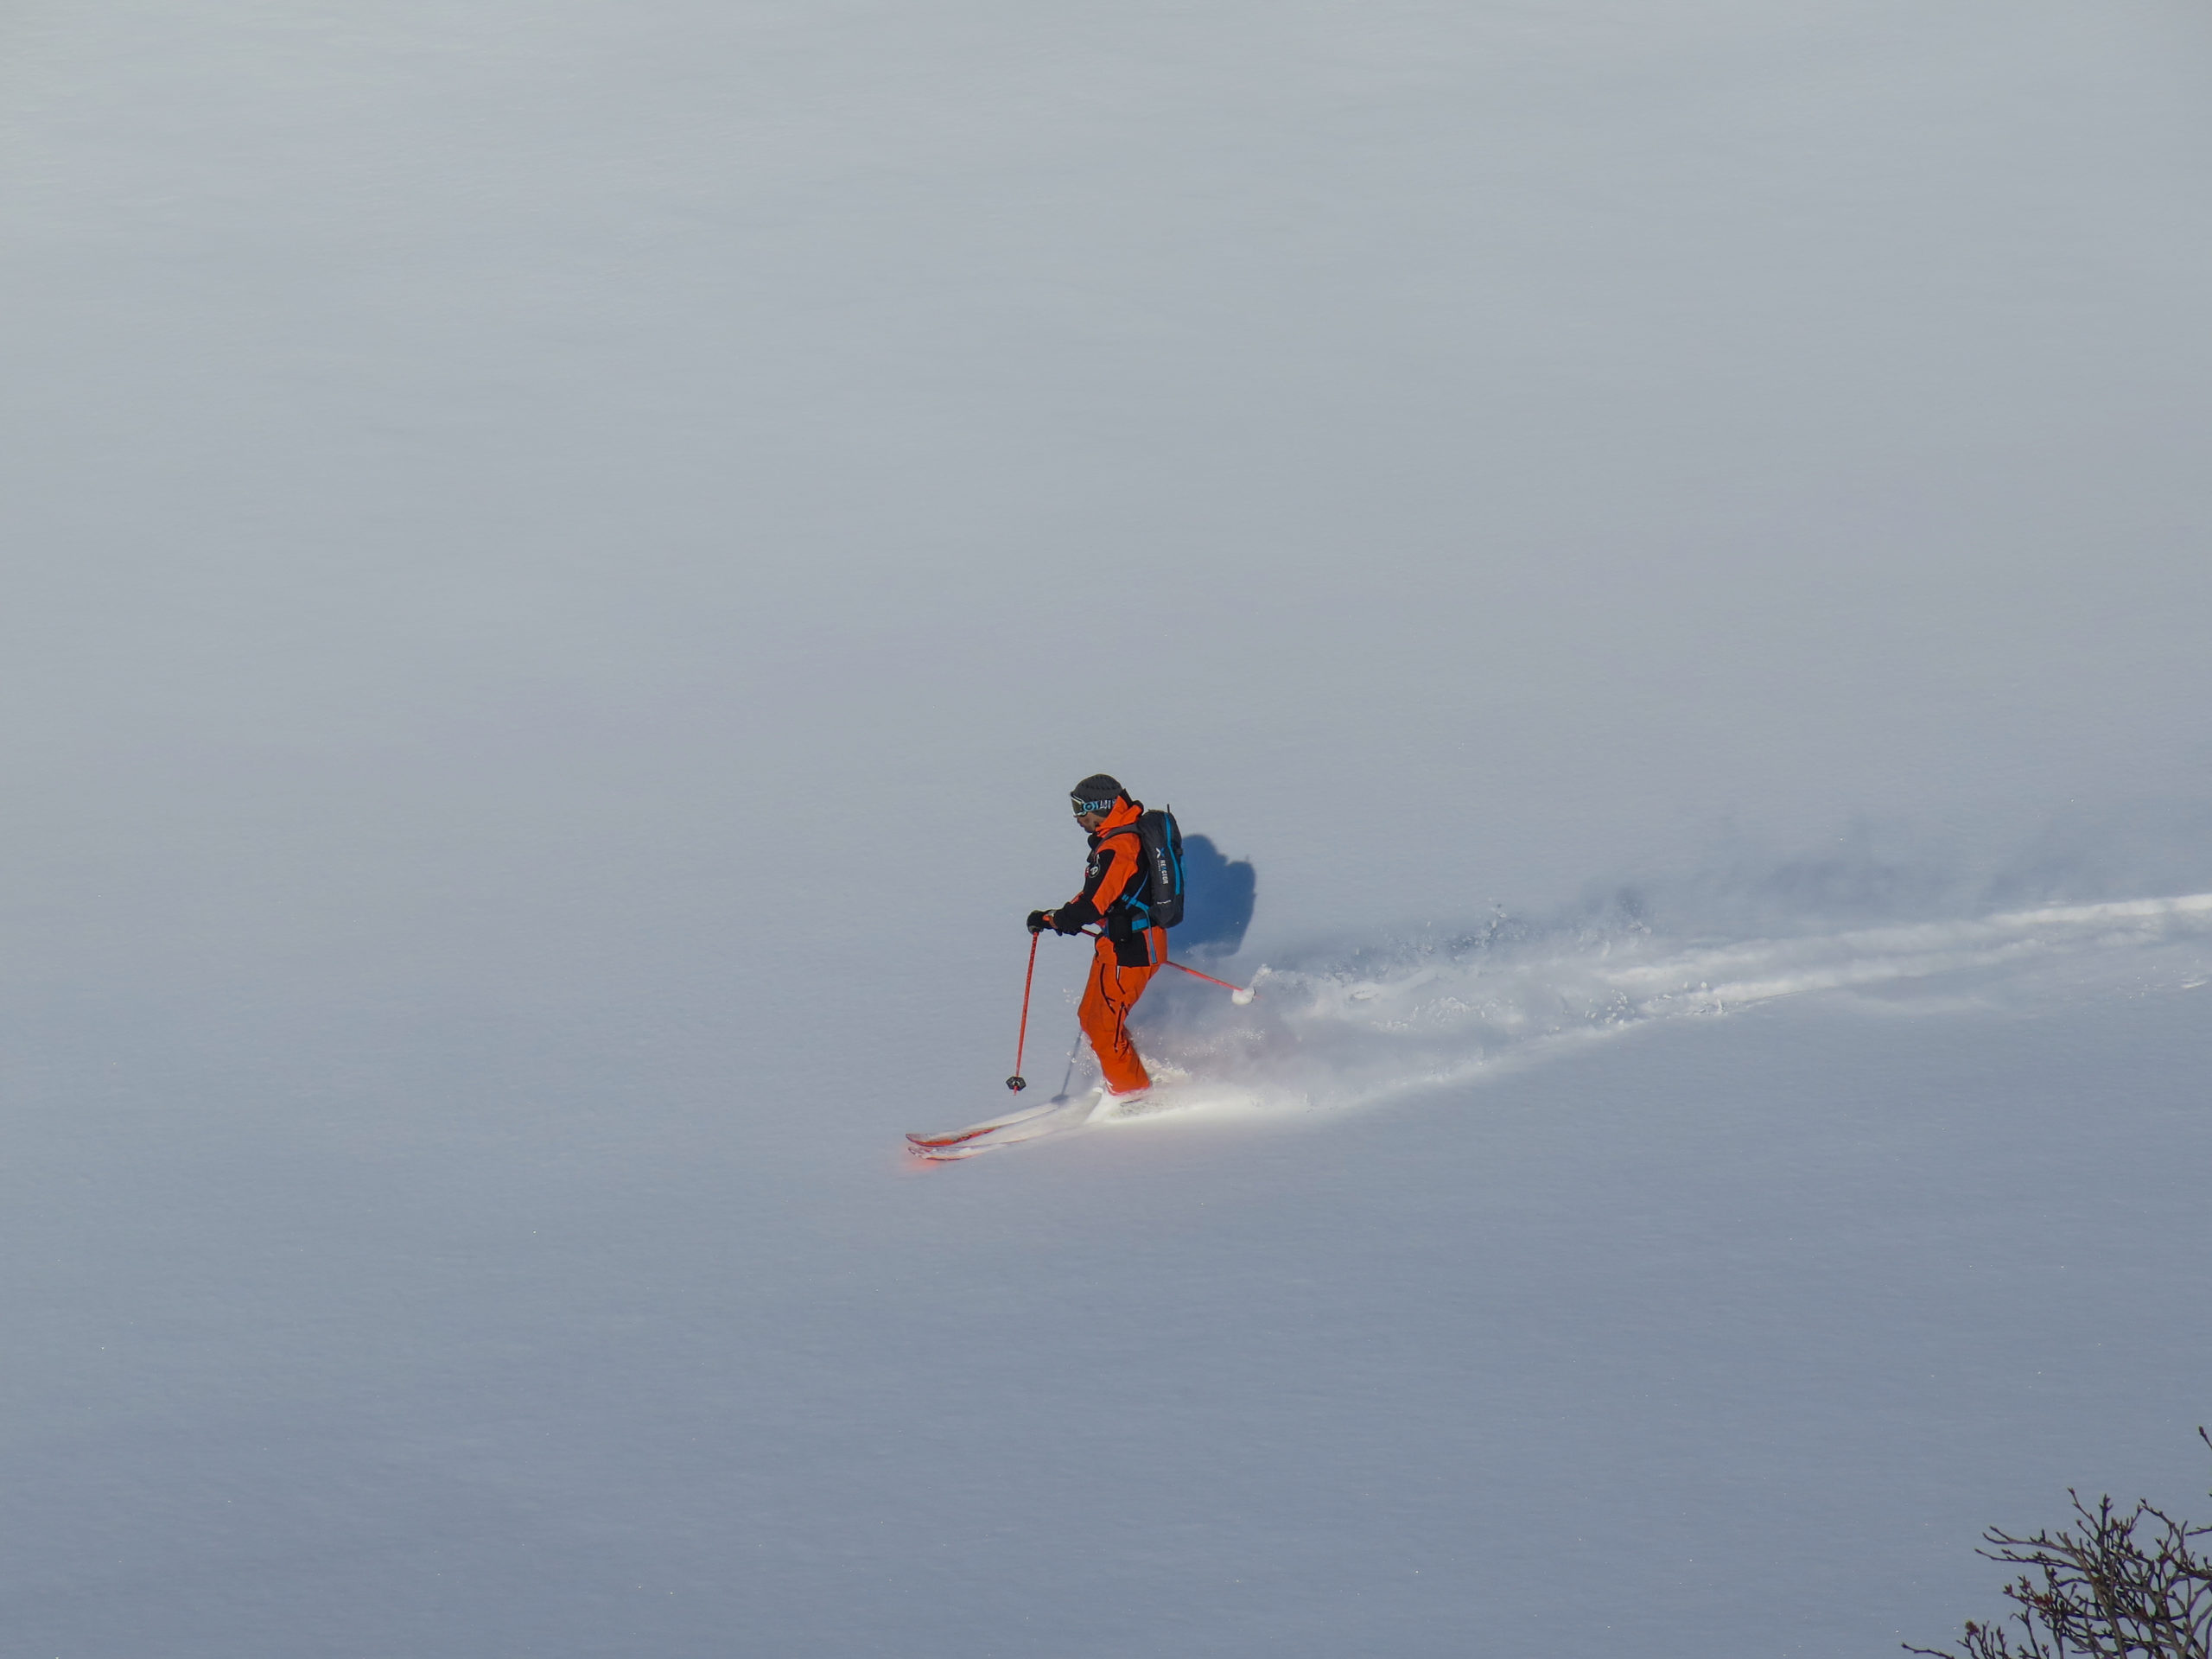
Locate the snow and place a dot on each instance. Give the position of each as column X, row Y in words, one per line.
column 562, row 563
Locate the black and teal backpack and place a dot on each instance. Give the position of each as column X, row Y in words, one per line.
column 1160, row 904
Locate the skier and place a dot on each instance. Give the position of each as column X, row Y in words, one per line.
column 1126, row 957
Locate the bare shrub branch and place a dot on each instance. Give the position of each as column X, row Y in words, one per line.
column 2117, row 1585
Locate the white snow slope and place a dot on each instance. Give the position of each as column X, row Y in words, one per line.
column 1371, row 1026
column 561, row 560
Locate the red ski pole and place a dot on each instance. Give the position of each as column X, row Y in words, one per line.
column 1017, row 1081
column 1239, row 993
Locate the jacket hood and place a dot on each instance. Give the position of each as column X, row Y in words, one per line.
column 1125, row 813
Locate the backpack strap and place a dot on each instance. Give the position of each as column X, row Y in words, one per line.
column 1125, row 902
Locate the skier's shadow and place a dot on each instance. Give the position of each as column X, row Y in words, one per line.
column 1217, row 900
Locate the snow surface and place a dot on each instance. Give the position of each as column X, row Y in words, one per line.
column 563, row 559
column 1370, row 1027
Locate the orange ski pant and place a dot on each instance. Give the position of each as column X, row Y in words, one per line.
column 1105, row 1012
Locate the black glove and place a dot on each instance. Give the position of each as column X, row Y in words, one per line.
column 1039, row 921
column 1063, row 923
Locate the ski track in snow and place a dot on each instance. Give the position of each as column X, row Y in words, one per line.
column 1374, row 1023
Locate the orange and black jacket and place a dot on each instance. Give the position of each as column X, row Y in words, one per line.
column 1114, row 871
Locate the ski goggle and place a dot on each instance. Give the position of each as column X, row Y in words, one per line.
column 1082, row 806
